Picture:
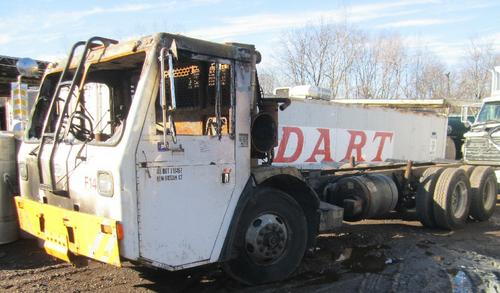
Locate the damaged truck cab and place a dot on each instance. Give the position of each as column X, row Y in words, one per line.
column 160, row 151
column 151, row 150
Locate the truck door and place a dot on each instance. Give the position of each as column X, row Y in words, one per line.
column 184, row 187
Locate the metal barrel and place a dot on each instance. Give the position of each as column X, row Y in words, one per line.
column 9, row 231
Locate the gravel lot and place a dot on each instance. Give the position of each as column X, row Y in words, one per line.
column 389, row 255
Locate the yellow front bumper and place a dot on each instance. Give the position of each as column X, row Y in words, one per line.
column 69, row 233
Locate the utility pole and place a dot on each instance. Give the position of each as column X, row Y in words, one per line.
column 448, row 84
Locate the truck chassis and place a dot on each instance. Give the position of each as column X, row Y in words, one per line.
column 181, row 174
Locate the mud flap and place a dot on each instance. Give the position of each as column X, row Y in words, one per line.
column 67, row 234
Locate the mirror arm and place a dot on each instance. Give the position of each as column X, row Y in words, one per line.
column 218, row 101
column 163, row 96
column 465, row 115
column 167, row 110
column 173, row 105
column 172, row 84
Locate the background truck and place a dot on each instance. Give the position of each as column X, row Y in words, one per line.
column 482, row 142
column 159, row 150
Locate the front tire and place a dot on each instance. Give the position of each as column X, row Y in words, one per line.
column 270, row 240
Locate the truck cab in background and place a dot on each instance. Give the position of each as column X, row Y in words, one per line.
column 482, row 142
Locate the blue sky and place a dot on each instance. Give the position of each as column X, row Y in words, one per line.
column 45, row 29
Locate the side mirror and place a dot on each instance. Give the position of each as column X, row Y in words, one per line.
column 27, row 67
column 464, row 116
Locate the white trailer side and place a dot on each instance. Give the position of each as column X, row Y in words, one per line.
column 370, row 134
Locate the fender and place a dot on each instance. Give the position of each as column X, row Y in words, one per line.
column 263, row 173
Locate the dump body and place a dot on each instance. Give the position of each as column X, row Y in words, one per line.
column 322, row 134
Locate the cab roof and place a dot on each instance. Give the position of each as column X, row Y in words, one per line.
column 234, row 51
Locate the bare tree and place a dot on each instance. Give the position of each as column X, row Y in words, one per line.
column 474, row 81
column 353, row 64
column 295, row 55
column 378, row 70
column 344, row 49
column 268, row 80
column 321, row 55
column 365, row 72
column 391, row 54
column 426, row 77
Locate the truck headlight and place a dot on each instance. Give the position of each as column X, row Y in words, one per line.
column 23, row 171
column 105, row 183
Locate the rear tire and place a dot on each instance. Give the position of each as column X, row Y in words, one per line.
column 450, row 152
column 452, row 199
column 484, row 193
column 270, row 240
column 468, row 169
column 424, row 200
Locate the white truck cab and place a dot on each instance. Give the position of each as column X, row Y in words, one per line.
column 143, row 150
column 482, row 142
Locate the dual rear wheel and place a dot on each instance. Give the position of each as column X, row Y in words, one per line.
column 484, row 193
column 447, row 197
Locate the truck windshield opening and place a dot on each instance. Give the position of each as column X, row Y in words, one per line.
column 196, row 91
column 489, row 112
column 97, row 112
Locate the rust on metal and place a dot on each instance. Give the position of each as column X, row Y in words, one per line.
column 408, row 169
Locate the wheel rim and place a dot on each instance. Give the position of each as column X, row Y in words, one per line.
column 265, row 238
column 489, row 194
column 459, row 200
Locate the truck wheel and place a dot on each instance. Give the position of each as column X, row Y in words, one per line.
column 468, row 169
column 270, row 240
column 452, row 199
column 484, row 193
column 424, row 200
column 450, row 152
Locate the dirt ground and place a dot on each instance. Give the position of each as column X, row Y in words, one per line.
column 389, row 255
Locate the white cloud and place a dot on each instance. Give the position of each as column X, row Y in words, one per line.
column 422, row 22
column 54, row 26
column 59, row 18
column 254, row 24
column 493, row 39
column 51, row 57
column 450, row 51
column 269, row 22
column 416, row 22
column 4, row 39
column 136, row 7
column 365, row 12
column 62, row 17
